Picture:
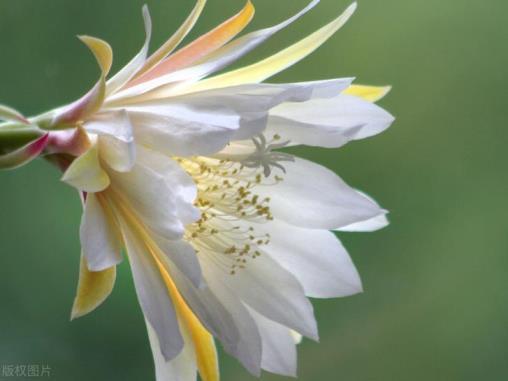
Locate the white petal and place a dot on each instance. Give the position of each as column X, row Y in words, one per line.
column 181, row 184
column 279, row 347
column 252, row 102
column 116, row 140
column 173, row 135
column 99, row 236
column 153, row 295
column 154, row 196
column 328, row 122
column 314, row 197
column 181, row 368
column 272, row 291
column 315, row 257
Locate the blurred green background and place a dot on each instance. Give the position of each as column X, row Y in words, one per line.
column 435, row 305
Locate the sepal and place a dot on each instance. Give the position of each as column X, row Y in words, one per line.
column 25, row 154
column 9, row 114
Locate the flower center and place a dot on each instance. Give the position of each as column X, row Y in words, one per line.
column 230, row 210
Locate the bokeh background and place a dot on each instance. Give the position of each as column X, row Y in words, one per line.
column 435, row 305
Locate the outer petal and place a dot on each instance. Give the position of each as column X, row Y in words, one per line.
column 99, row 234
column 315, row 257
column 326, row 202
column 129, row 70
column 221, row 57
column 270, row 66
column 86, row 174
column 202, row 46
column 174, row 40
column 8, row 113
column 93, row 289
column 328, row 122
column 91, row 101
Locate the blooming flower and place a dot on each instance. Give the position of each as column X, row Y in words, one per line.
column 226, row 235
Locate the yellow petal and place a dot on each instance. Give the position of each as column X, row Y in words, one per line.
column 272, row 65
column 201, row 46
column 174, row 40
column 368, row 93
column 93, row 289
column 86, row 174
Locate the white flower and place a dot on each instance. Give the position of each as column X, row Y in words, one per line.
column 226, row 235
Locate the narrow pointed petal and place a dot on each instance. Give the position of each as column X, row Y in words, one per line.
column 86, row 174
column 93, row 289
column 368, row 93
column 25, row 154
column 9, row 114
column 102, row 52
column 174, row 40
column 217, row 60
column 133, row 67
column 91, row 101
column 272, row 65
column 202, row 46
